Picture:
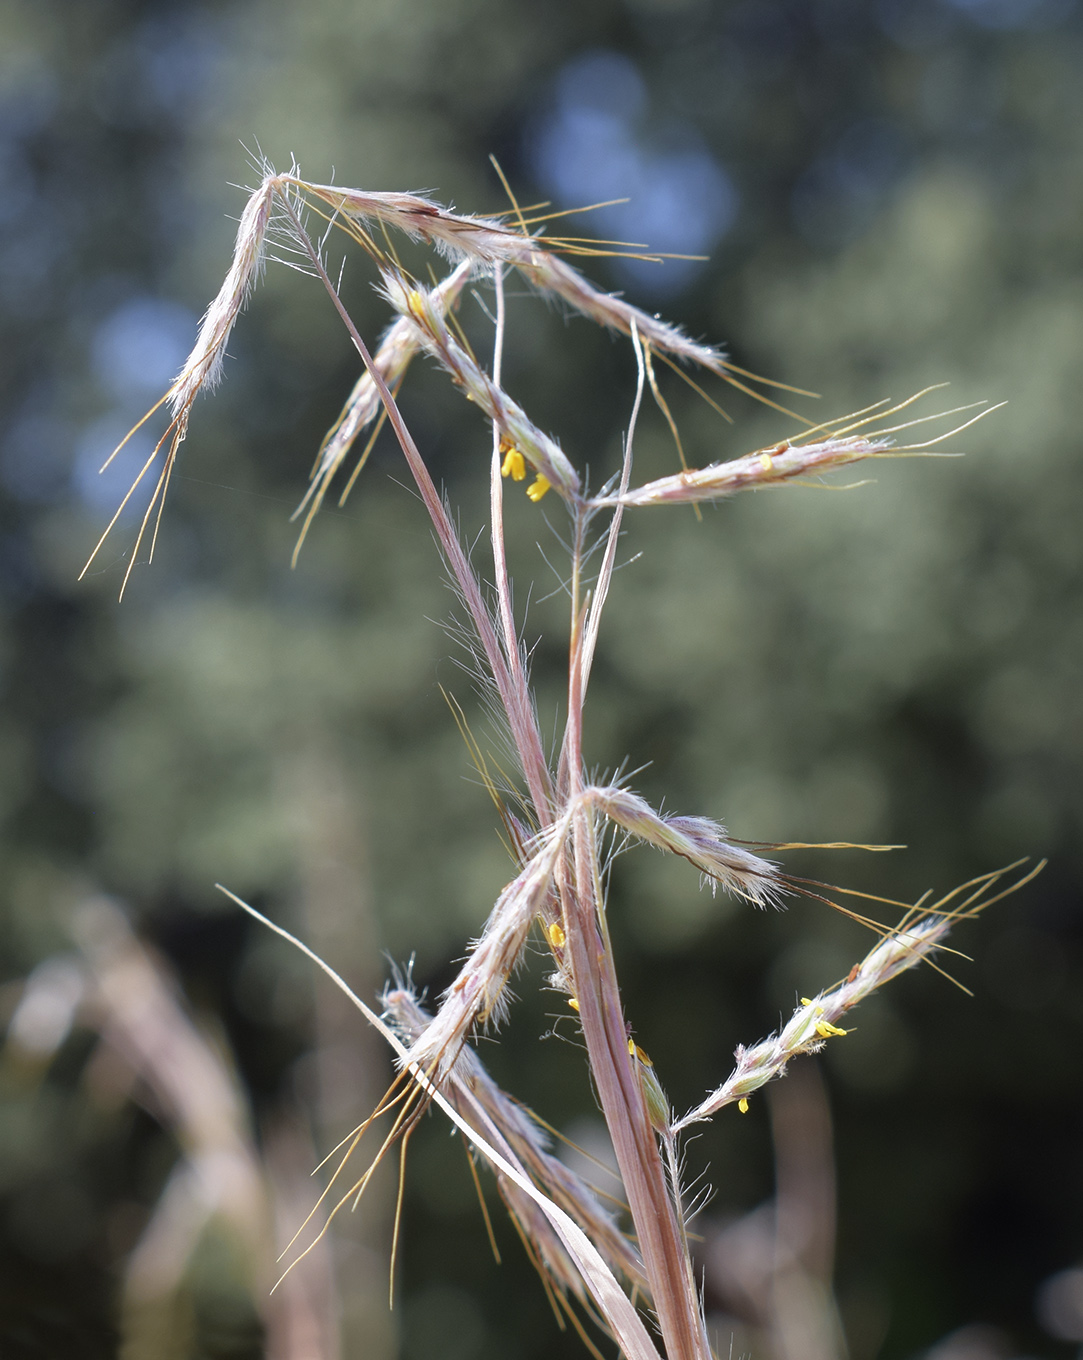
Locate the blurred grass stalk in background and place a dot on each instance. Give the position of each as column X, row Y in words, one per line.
column 562, row 824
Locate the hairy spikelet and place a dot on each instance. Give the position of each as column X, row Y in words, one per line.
column 696, row 839
column 768, row 467
column 363, row 405
column 203, row 367
column 816, row 1020
column 427, row 315
column 917, row 938
column 469, row 1087
column 477, row 994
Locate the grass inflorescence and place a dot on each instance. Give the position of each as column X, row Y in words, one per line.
column 560, row 824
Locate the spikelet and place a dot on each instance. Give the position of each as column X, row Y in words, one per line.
column 420, row 307
column 363, row 406
column 768, row 467
column 696, row 839
column 203, row 367
column 816, row 1019
column 488, row 242
column 485, row 240
column 918, row 936
column 477, row 994
column 467, row 1085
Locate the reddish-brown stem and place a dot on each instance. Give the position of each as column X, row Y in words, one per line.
column 658, row 1230
column 514, row 697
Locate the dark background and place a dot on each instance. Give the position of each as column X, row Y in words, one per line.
column 891, row 195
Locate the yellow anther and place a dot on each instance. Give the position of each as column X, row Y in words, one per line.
column 555, row 934
column 537, row 488
column 742, row 1104
column 806, row 1001
column 826, row 1031
column 767, row 462
column 636, row 1052
column 514, row 464
column 415, row 302
column 573, row 1003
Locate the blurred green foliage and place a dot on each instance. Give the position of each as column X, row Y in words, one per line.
column 896, row 663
